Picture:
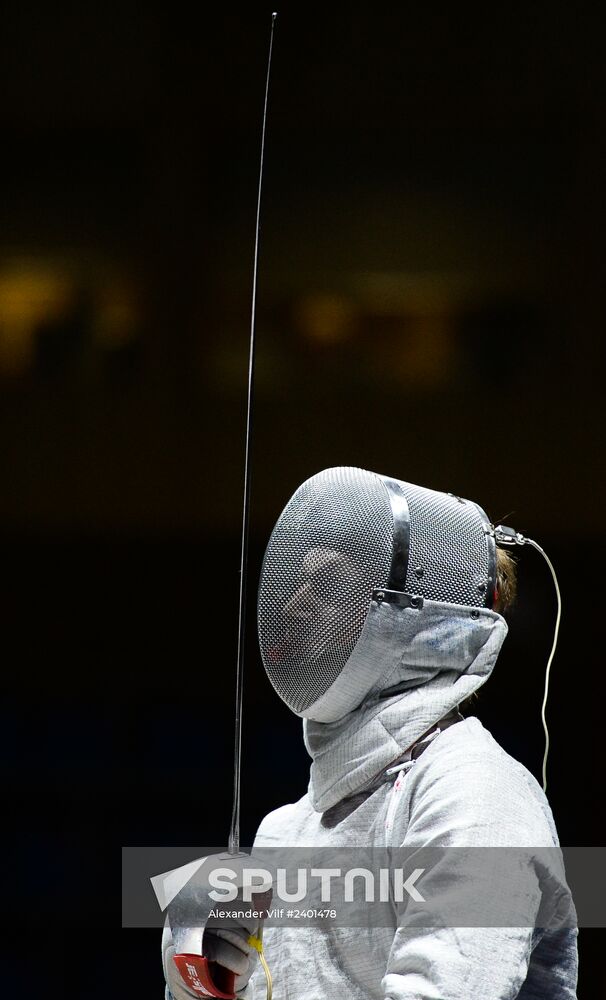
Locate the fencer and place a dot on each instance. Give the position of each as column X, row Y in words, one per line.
column 380, row 613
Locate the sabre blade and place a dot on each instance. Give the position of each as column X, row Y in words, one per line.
column 234, row 833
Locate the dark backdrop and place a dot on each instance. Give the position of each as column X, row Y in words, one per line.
column 430, row 306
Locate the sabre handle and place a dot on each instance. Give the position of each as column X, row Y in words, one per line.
column 205, row 978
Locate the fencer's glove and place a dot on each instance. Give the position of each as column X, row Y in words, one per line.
column 228, row 947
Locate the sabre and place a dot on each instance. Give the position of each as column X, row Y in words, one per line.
column 234, row 833
column 189, row 911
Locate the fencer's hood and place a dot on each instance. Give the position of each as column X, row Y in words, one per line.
column 374, row 611
column 431, row 661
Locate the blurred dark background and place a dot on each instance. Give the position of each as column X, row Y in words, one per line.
column 430, row 306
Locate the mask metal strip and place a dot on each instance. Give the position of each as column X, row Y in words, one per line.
column 401, row 535
column 382, row 596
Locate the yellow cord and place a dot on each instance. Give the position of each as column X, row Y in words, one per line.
column 257, row 944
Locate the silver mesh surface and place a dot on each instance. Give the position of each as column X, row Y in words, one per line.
column 331, row 546
column 448, row 556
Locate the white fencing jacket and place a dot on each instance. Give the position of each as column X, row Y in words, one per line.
column 464, row 790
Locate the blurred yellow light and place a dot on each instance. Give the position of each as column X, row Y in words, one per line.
column 28, row 296
column 326, row 317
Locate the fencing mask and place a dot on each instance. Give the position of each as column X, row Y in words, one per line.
column 348, row 545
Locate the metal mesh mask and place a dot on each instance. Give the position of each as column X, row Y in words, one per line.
column 345, row 534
